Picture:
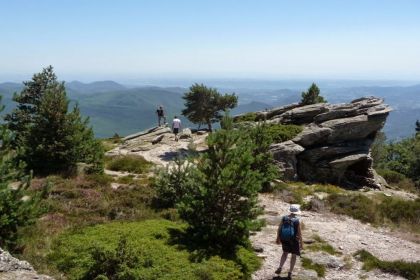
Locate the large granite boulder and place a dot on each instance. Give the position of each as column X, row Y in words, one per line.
column 12, row 269
column 334, row 145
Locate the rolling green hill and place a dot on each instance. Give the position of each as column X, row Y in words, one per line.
column 114, row 108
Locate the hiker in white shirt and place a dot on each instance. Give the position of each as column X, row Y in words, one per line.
column 176, row 126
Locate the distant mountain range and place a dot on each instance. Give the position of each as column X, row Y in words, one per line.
column 115, row 108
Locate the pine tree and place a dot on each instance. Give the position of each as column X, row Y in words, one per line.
column 223, row 203
column 204, row 105
column 312, row 96
column 263, row 159
column 52, row 139
column 15, row 211
column 417, row 127
column 20, row 119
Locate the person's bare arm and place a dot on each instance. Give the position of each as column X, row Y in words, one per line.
column 300, row 236
column 278, row 240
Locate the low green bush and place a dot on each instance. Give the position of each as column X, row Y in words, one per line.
column 282, row 132
column 409, row 270
column 130, row 163
column 383, row 209
column 357, row 206
column 392, row 177
column 399, row 210
column 140, row 250
column 248, row 117
column 327, row 188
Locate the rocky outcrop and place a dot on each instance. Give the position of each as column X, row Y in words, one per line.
column 158, row 144
column 12, row 268
column 334, row 145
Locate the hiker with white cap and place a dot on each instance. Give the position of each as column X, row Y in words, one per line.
column 289, row 235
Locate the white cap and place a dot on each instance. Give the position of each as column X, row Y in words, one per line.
column 294, row 209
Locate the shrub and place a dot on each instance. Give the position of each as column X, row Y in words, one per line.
column 357, row 206
column 399, row 210
column 173, row 183
column 130, row 163
column 392, row 177
column 394, row 210
column 223, row 200
column 263, row 158
column 281, row 132
column 248, row 117
column 144, row 252
column 409, row 270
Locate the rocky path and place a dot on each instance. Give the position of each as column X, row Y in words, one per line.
column 343, row 233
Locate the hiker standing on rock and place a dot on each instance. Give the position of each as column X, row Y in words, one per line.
column 176, row 126
column 161, row 115
column 289, row 235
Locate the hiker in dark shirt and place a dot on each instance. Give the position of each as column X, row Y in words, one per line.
column 289, row 235
column 161, row 115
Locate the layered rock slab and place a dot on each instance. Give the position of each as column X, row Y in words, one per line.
column 334, row 146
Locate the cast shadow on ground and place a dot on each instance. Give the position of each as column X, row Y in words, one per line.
column 280, row 278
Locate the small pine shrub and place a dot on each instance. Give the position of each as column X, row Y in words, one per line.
column 129, row 163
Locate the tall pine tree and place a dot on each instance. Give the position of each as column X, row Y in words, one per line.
column 53, row 140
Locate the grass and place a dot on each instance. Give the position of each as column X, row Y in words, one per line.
column 129, row 163
column 409, row 270
column 148, row 254
column 308, row 264
column 129, row 179
column 322, row 245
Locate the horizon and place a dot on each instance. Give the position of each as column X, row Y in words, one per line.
column 268, row 40
column 243, row 83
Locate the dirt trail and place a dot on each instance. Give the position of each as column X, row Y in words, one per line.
column 343, row 233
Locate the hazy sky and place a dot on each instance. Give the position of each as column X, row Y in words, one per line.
column 273, row 39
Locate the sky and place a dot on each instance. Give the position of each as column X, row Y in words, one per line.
column 256, row 39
